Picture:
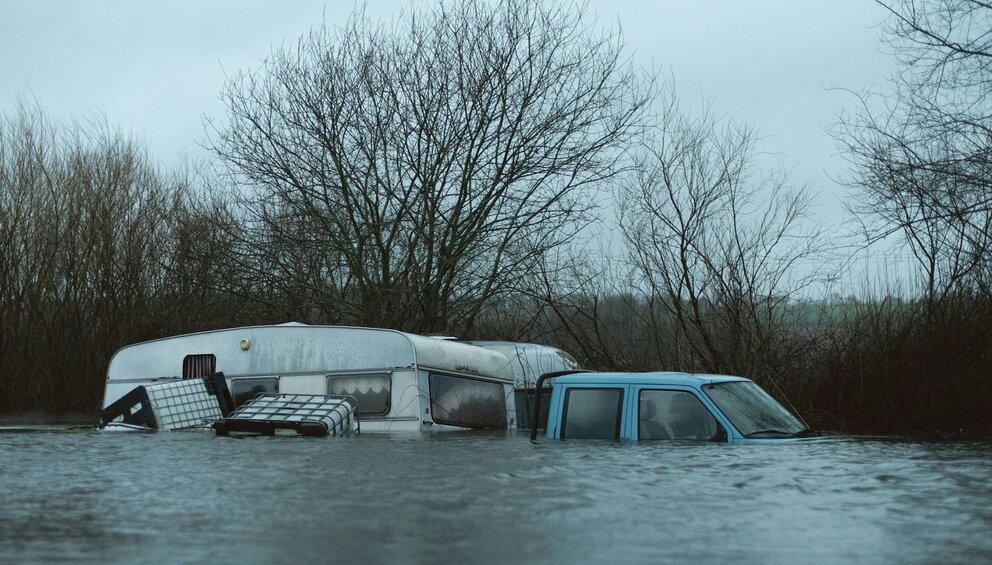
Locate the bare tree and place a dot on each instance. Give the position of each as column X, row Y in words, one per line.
column 922, row 159
column 405, row 176
column 83, row 237
column 715, row 251
column 717, row 263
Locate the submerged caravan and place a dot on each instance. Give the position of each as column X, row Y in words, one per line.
column 290, row 375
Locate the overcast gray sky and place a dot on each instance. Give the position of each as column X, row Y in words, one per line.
column 155, row 69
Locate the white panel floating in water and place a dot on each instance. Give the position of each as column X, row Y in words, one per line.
column 305, row 414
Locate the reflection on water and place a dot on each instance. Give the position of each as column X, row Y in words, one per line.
column 484, row 497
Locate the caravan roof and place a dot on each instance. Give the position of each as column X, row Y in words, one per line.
column 298, row 348
column 530, row 360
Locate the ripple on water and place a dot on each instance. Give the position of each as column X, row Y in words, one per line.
column 487, row 497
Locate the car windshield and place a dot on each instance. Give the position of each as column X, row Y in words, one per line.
column 752, row 411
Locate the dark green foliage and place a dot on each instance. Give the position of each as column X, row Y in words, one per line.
column 919, row 368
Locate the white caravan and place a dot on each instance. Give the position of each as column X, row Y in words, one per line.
column 401, row 381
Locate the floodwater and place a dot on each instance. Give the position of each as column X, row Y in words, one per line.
column 80, row 495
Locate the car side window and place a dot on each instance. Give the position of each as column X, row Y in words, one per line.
column 672, row 414
column 592, row 413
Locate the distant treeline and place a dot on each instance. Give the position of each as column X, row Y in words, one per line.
column 439, row 177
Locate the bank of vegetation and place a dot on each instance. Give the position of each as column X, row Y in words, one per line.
column 454, row 174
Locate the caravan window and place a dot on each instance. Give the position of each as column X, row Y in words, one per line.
column 469, row 403
column 243, row 390
column 371, row 391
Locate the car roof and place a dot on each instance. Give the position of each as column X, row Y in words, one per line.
column 653, row 378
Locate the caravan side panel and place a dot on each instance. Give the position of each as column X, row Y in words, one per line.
column 260, row 351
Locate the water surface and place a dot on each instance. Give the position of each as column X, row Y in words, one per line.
column 471, row 497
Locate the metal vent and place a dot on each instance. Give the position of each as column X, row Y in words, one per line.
column 197, row 366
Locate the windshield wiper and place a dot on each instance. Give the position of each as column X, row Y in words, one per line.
column 805, row 432
column 770, row 432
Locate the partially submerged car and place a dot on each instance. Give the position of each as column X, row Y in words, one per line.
column 664, row 406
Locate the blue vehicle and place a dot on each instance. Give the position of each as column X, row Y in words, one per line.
column 664, row 406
